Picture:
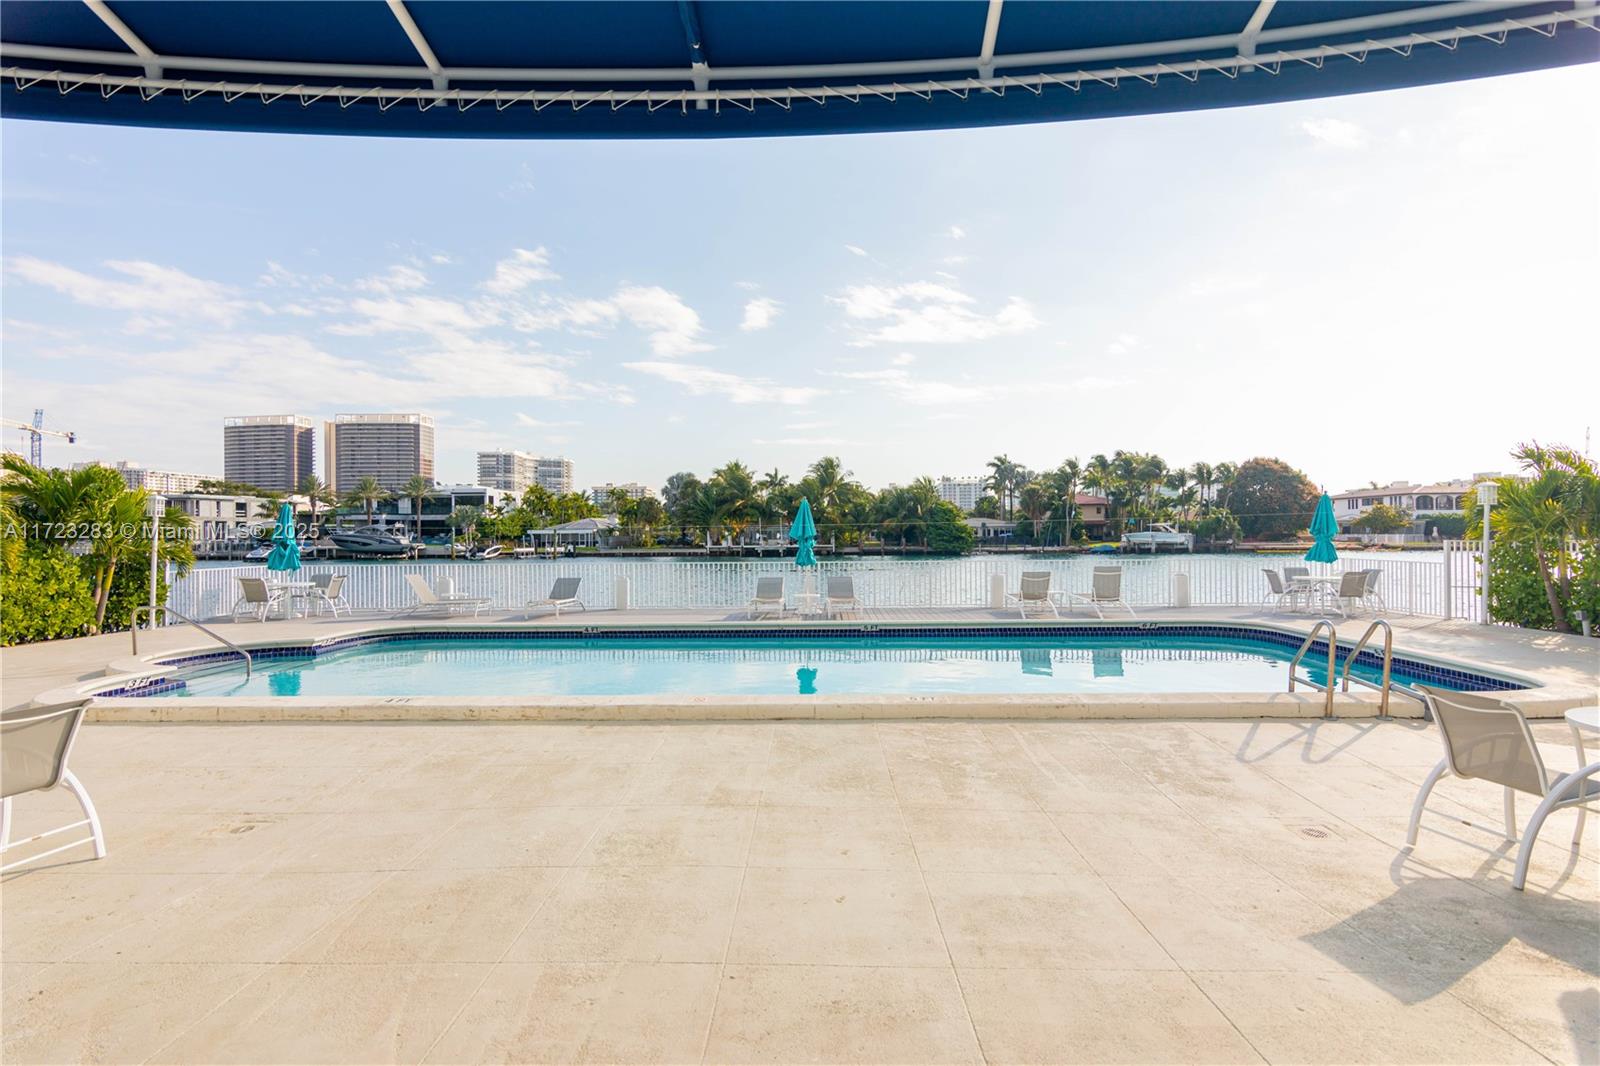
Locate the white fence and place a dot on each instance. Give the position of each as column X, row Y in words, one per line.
column 1409, row 586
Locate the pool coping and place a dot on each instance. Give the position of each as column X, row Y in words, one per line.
column 154, row 669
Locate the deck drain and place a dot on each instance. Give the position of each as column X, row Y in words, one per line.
column 1314, row 832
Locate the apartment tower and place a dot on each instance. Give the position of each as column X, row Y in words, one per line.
column 272, row 452
column 393, row 448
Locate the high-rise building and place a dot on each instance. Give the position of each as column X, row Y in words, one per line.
column 162, row 482
column 964, row 492
column 508, row 471
column 393, row 448
column 272, row 452
column 600, row 495
column 554, row 472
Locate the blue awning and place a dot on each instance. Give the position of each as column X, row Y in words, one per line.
column 664, row 68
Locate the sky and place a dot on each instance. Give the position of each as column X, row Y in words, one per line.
column 1393, row 286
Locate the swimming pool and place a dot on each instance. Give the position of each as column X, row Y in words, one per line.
column 787, row 662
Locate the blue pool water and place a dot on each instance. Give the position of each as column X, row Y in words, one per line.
column 776, row 665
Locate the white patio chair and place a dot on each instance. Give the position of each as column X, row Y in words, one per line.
column 329, row 593
column 257, row 597
column 1351, row 592
column 1034, row 594
column 841, row 595
column 430, row 602
column 1489, row 739
column 1105, row 590
column 35, row 743
column 1279, row 594
column 768, row 597
column 1370, row 596
column 564, row 593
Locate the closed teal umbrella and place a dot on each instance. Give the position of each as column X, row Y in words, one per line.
column 285, row 554
column 1323, row 528
column 803, row 531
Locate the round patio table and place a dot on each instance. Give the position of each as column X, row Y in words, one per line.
column 291, row 590
column 1582, row 720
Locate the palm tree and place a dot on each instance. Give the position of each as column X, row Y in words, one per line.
column 416, row 490
column 93, row 512
column 1035, row 501
column 1003, row 476
column 1225, row 474
column 317, row 493
column 366, row 494
column 1064, row 482
column 1203, row 477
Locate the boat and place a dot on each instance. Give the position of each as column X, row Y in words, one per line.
column 1160, row 535
column 258, row 555
column 438, row 546
column 373, row 540
column 489, row 551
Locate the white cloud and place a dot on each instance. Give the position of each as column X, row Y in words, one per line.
column 536, row 423
column 1123, row 344
column 440, row 258
column 927, row 312
column 398, row 278
column 153, row 292
column 705, row 381
column 801, row 441
column 854, row 249
column 521, row 269
column 759, row 313
column 1335, row 133
column 747, row 286
column 957, row 233
column 905, row 387
column 414, row 314
column 903, row 359
column 800, row 427
column 673, row 325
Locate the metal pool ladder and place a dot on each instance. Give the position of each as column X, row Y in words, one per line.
column 1333, row 651
column 144, row 608
column 1388, row 662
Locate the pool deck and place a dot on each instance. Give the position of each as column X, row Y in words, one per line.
column 1567, row 668
column 863, row 892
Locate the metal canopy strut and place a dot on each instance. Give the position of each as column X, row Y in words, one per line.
column 1259, row 61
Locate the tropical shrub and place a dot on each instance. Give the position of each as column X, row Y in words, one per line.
column 43, row 595
column 1382, row 519
column 948, row 532
column 1545, row 547
column 1448, row 526
column 1217, row 526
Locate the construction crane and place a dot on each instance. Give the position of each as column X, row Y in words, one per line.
column 36, row 434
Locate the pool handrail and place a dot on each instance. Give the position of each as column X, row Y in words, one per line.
column 1388, row 662
column 133, row 631
column 1333, row 651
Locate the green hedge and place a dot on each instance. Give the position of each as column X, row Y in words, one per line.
column 1516, row 593
column 44, row 596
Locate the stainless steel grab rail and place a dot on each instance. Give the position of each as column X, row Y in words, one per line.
column 1333, row 651
column 1388, row 662
column 145, row 608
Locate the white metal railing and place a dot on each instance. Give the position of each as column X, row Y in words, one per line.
column 1408, row 586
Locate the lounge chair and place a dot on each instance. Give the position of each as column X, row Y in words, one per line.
column 35, row 743
column 330, row 594
column 430, row 602
column 1489, row 739
column 1034, row 594
column 1105, row 590
column 256, row 597
column 564, row 593
column 768, row 597
column 841, row 595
